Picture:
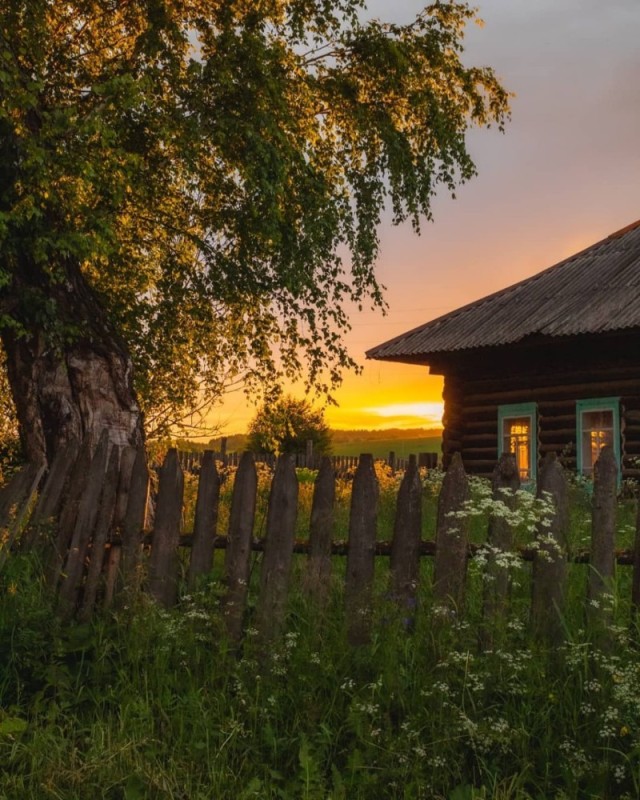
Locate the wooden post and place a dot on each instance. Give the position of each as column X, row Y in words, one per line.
column 278, row 549
column 428, row 460
column 101, row 531
column 69, row 511
column 321, row 534
column 405, row 547
column 132, row 527
column 392, row 461
column 84, row 524
column 360, row 556
column 17, row 501
column 505, row 484
column 163, row 563
column 125, row 471
column 309, row 462
column 550, row 562
column 603, row 533
column 452, row 537
column 238, row 554
column 50, row 499
column 206, row 519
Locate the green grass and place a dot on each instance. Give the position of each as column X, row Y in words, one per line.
column 145, row 703
column 380, row 448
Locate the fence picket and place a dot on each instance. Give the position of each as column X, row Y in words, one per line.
column 50, row 499
column 163, row 562
column 206, row 519
column 105, row 518
column 321, row 530
column 69, row 511
column 17, row 501
column 405, row 547
column 603, row 533
column 452, row 537
column 505, row 483
column 132, row 527
column 238, row 554
column 83, row 528
column 278, row 549
column 360, row 556
column 549, row 572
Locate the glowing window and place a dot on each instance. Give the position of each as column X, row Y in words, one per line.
column 598, row 425
column 516, row 434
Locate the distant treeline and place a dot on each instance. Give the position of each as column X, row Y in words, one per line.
column 402, row 434
column 416, row 439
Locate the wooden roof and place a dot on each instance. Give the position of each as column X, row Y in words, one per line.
column 595, row 291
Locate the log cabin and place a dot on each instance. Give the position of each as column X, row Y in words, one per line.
column 550, row 364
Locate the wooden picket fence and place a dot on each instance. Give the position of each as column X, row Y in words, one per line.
column 87, row 517
column 190, row 461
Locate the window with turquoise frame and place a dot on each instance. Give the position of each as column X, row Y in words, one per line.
column 517, row 428
column 597, row 425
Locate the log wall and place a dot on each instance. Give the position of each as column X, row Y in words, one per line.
column 554, row 375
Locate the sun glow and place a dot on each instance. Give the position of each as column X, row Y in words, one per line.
column 431, row 413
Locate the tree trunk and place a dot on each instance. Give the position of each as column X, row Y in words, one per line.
column 69, row 371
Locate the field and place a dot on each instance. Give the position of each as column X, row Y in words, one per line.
column 150, row 703
column 380, row 448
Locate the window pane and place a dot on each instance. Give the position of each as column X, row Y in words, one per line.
column 597, row 431
column 516, row 433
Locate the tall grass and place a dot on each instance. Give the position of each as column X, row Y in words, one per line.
column 146, row 703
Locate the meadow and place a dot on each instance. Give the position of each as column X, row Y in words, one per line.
column 149, row 703
column 380, row 448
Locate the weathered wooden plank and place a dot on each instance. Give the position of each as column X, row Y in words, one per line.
column 133, row 522
column 76, row 484
column 16, row 491
column 405, row 547
column 278, row 549
column 41, row 522
column 74, row 563
column 103, row 524
column 238, row 555
column 11, row 494
column 603, row 532
column 206, row 519
column 550, row 563
column 113, row 557
column 635, row 579
column 496, row 587
column 360, row 559
column 18, row 502
column 452, row 535
column 163, row 562
column 128, row 456
column 318, row 576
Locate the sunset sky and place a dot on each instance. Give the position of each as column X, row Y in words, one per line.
column 565, row 174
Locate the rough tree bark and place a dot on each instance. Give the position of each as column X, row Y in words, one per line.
column 73, row 381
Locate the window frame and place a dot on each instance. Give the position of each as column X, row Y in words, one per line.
column 512, row 411
column 598, row 404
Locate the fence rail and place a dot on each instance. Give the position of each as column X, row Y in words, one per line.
column 100, row 537
column 191, row 461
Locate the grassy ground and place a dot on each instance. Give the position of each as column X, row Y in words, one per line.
column 382, row 447
column 145, row 703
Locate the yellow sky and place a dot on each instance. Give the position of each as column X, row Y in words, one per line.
column 565, row 174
